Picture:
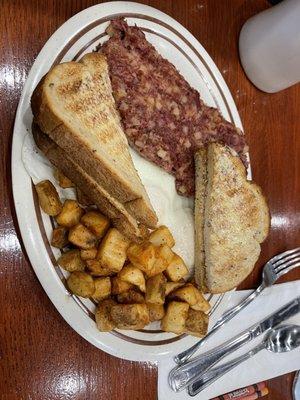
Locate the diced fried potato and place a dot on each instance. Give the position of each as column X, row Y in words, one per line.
column 133, row 275
column 62, row 180
column 142, row 256
column 164, row 252
column 196, row 323
column 177, row 269
column 102, row 288
column 97, row 223
column 163, row 257
column 155, row 289
column 80, row 236
column 112, row 250
column 96, row 269
column 70, row 214
column 175, row 317
column 88, row 254
column 202, row 304
column 103, row 317
column 71, row 261
column 190, row 294
column 130, row 316
column 82, row 198
column 171, row 286
column 59, row 237
column 130, row 297
column 81, row 284
column 119, row 286
column 156, row 311
column 187, row 293
column 48, row 198
column 162, row 236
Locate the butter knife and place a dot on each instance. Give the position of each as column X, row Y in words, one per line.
column 183, row 375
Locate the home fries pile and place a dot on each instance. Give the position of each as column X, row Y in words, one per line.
column 134, row 284
column 84, row 113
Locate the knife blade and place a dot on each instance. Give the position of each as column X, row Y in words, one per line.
column 183, row 375
column 273, row 320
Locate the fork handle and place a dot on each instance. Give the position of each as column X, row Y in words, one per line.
column 184, row 356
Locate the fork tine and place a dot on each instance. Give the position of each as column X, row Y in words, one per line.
column 288, row 266
column 283, row 255
column 285, row 271
column 285, row 259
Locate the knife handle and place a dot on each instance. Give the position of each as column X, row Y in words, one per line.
column 212, row 375
column 183, row 375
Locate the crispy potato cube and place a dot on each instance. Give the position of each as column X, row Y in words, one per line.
column 119, row 286
column 103, row 318
column 175, row 317
column 202, row 304
column 48, row 198
column 82, row 198
column 142, row 256
column 71, row 261
column 171, row 286
column 102, row 288
column 133, row 275
column 59, row 237
column 155, row 289
column 163, row 257
column 97, row 223
column 162, row 236
column 165, row 253
column 196, row 323
column 70, row 214
column 80, row 236
column 81, row 284
column 62, row 180
column 88, row 254
column 190, row 294
column 96, row 269
column 156, row 311
column 130, row 297
column 130, row 316
column 177, row 269
column 187, row 293
column 112, row 250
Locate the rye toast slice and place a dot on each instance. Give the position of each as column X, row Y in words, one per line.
column 73, row 104
column 236, row 220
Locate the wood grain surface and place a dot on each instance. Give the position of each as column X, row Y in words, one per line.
column 41, row 357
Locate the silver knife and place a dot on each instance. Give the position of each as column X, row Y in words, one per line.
column 183, row 375
column 296, row 387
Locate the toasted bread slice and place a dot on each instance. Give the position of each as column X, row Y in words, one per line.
column 107, row 204
column 73, row 104
column 236, row 220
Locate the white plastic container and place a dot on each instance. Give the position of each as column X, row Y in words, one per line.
column 269, row 46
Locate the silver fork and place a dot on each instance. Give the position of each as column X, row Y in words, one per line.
column 273, row 270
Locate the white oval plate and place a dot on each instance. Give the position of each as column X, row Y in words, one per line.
column 79, row 35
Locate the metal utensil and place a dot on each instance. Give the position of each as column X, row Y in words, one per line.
column 279, row 340
column 273, row 270
column 183, row 375
column 296, row 386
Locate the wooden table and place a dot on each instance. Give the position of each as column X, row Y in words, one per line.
column 41, row 357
